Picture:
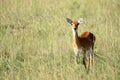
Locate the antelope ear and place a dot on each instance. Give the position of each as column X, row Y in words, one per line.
column 69, row 21
column 80, row 20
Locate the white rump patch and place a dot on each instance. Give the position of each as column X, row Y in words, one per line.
column 89, row 53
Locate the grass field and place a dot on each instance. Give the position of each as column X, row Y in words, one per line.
column 36, row 40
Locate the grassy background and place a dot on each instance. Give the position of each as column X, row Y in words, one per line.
column 35, row 39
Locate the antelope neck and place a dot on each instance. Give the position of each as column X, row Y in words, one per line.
column 75, row 37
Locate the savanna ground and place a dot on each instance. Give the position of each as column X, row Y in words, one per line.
column 35, row 39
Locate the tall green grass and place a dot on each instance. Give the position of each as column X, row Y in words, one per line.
column 36, row 41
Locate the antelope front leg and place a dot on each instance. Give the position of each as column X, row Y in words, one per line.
column 76, row 54
column 84, row 59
